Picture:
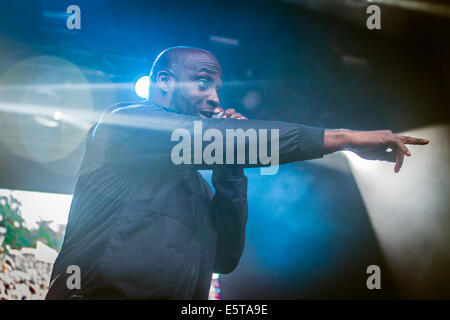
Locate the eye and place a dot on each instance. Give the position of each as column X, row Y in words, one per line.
column 204, row 84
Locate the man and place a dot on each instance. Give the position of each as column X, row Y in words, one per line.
column 142, row 226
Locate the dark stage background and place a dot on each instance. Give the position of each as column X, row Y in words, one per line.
column 309, row 231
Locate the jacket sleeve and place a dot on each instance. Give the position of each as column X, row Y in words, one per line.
column 229, row 210
column 126, row 136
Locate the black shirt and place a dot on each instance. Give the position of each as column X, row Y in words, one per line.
column 143, row 227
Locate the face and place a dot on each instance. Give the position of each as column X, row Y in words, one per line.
column 197, row 83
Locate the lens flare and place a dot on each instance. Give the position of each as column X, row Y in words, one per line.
column 141, row 87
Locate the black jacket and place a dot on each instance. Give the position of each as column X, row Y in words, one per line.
column 141, row 226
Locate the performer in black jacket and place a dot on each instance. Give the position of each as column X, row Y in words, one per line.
column 143, row 222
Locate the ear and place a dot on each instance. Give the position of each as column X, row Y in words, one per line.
column 165, row 81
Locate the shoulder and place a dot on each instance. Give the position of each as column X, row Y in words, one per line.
column 126, row 114
column 119, row 115
column 128, row 108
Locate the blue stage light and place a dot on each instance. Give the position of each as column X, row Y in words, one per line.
column 141, row 87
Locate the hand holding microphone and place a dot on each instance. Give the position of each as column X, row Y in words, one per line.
column 230, row 113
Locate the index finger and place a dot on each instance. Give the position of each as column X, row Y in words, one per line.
column 411, row 140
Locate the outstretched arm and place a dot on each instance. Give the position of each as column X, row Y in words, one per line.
column 146, row 135
column 371, row 145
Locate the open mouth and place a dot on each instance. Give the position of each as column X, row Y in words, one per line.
column 207, row 113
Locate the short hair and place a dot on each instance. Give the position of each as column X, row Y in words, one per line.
column 168, row 57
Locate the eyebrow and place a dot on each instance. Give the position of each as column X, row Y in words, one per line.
column 209, row 68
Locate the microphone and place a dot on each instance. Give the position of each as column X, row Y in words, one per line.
column 217, row 115
column 212, row 115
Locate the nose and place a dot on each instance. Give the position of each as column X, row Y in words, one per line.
column 213, row 99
